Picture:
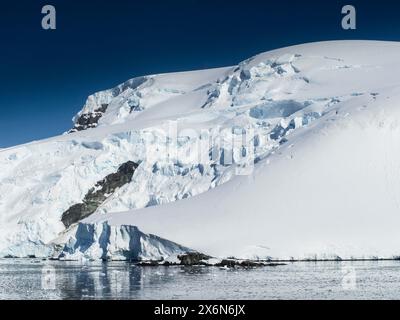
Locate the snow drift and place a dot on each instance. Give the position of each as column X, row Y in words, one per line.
column 291, row 154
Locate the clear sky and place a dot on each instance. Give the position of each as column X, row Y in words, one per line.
column 45, row 76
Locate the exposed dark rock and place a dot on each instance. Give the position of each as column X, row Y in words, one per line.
column 193, row 258
column 227, row 263
column 234, row 263
column 99, row 193
column 151, row 263
column 89, row 120
column 200, row 259
column 9, row 256
column 231, row 263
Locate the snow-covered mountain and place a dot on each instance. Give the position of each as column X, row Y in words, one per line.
column 291, row 154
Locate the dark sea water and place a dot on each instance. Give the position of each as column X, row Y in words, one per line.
column 37, row 279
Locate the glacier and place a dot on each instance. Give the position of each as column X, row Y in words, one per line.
column 289, row 155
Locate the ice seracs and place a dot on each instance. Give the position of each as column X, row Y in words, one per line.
column 289, row 155
column 102, row 241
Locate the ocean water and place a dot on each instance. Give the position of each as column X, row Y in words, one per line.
column 37, row 279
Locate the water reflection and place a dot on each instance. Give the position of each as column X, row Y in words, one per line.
column 122, row 280
column 23, row 279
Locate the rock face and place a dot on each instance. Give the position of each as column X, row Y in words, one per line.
column 99, row 193
column 89, row 120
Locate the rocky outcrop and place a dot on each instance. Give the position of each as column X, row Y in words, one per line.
column 99, row 193
column 89, row 120
column 232, row 263
column 200, row 259
column 193, row 258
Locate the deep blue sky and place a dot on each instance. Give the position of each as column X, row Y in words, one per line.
column 45, row 76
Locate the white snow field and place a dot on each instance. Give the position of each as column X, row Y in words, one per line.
column 292, row 154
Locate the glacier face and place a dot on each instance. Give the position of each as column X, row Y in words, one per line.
column 234, row 161
column 102, row 241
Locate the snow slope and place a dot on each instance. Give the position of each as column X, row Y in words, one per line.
column 330, row 192
column 292, row 154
